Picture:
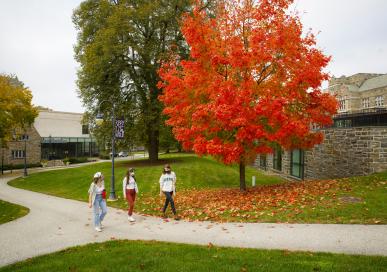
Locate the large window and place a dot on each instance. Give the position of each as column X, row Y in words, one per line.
column 379, row 101
column 365, row 103
column 277, row 159
column 18, row 154
column 297, row 163
column 342, row 103
column 85, row 129
column 262, row 161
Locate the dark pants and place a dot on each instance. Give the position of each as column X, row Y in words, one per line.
column 168, row 199
column 130, row 197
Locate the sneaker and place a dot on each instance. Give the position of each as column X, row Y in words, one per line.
column 131, row 219
column 101, row 226
column 98, row 229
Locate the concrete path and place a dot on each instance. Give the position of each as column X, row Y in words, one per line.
column 56, row 223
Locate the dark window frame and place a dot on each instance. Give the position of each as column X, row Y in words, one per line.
column 300, row 164
column 18, row 154
column 277, row 159
column 85, row 129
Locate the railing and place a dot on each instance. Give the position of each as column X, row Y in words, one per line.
column 361, row 118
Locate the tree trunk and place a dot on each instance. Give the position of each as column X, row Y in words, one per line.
column 242, row 176
column 153, row 135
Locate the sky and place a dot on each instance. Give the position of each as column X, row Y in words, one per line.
column 37, row 39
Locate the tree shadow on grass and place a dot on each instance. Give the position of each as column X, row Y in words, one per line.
column 143, row 162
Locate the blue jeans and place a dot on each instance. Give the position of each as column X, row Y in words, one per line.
column 100, row 210
column 168, row 200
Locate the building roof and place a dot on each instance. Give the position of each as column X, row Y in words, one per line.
column 374, row 83
column 51, row 123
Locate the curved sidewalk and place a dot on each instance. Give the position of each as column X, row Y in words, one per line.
column 55, row 223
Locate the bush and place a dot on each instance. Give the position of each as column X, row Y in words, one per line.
column 20, row 166
column 77, row 160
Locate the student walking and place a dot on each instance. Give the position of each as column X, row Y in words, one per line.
column 130, row 189
column 97, row 200
column 168, row 188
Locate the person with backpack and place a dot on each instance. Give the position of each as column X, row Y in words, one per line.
column 97, row 200
column 130, row 189
column 168, row 188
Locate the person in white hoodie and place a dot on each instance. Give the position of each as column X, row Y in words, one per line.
column 168, row 188
column 130, row 189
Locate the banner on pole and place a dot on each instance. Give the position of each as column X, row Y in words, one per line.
column 120, row 128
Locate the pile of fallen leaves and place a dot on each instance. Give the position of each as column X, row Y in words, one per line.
column 255, row 204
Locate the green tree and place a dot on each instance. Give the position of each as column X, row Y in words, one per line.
column 16, row 109
column 121, row 45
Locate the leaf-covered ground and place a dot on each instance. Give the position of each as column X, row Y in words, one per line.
column 356, row 200
column 208, row 190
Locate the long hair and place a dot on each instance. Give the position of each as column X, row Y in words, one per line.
column 128, row 175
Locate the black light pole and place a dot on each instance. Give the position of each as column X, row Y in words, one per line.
column 25, row 154
column 2, row 158
column 112, row 195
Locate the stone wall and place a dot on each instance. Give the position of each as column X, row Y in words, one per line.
column 348, row 152
column 33, row 149
column 345, row 152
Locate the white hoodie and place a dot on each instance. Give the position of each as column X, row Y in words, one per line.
column 168, row 182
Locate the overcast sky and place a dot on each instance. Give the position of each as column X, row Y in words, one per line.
column 37, row 38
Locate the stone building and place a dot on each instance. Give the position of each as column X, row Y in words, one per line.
column 360, row 92
column 355, row 145
column 54, row 135
column 14, row 153
column 345, row 152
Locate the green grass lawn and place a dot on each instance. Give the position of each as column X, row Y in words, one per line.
column 9, row 211
column 208, row 190
column 192, row 173
column 157, row 256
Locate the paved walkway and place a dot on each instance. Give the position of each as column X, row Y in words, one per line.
column 55, row 223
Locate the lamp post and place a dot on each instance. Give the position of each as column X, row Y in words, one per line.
column 2, row 157
column 112, row 195
column 25, row 154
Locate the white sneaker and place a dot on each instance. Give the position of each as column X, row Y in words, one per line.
column 98, row 229
column 131, row 219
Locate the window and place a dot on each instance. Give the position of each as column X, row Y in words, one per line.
column 342, row 103
column 85, row 129
column 262, row 161
column 379, row 101
column 365, row 102
column 277, row 159
column 23, row 137
column 297, row 163
column 18, row 154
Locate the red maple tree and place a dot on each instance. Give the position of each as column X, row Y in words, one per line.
column 252, row 82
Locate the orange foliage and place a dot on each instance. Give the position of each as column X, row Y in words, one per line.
column 231, row 204
column 252, row 81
